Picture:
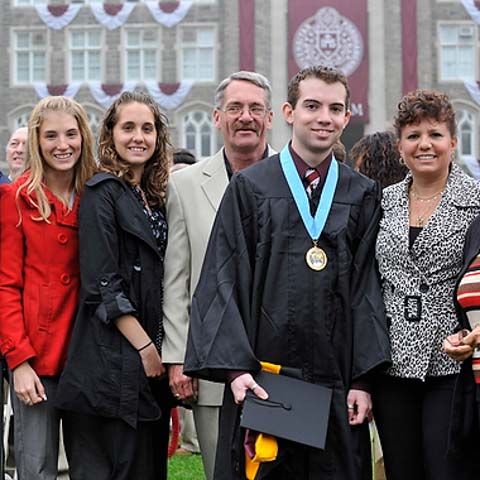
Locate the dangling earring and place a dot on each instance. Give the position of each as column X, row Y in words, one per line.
column 401, row 161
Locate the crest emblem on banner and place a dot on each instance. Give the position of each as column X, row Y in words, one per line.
column 328, row 39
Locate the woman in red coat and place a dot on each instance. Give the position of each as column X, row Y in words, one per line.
column 39, row 274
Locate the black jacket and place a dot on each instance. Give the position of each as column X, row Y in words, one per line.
column 464, row 426
column 121, row 273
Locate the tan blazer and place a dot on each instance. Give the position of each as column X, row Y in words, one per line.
column 194, row 194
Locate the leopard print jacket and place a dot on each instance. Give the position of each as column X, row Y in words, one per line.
column 418, row 283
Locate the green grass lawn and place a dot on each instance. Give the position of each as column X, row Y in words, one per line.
column 185, row 467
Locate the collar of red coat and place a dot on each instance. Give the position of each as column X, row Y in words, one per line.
column 63, row 215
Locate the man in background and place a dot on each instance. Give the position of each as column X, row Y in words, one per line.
column 182, row 158
column 15, row 155
column 243, row 115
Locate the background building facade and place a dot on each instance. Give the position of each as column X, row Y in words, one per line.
column 179, row 51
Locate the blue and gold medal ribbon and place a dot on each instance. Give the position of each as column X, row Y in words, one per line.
column 314, row 225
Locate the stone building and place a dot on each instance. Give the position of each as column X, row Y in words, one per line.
column 179, row 51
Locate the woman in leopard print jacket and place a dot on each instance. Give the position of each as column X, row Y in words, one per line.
column 419, row 251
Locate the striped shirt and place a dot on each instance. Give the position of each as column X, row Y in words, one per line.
column 468, row 297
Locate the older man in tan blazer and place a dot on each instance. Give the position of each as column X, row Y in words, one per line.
column 243, row 114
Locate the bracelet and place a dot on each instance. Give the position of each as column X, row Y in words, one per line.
column 145, row 346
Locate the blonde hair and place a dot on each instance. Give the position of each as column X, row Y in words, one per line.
column 155, row 175
column 84, row 168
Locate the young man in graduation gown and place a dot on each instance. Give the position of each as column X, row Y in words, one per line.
column 243, row 116
column 282, row 286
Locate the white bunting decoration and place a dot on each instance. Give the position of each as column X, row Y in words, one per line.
column 57, row 17
column 473, row 9
column 169, row 95
column 169, row 19
column 105, row 95
column 43, row 90
column 111, row 16
column 473, row 89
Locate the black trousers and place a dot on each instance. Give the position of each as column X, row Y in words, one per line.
column 109, row 449
column 412, row 419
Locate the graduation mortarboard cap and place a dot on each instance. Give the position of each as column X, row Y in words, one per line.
column 295, row 410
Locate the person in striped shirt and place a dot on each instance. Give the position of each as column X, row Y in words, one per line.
column 464, row 346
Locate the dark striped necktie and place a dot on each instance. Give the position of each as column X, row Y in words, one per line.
column 311, row 180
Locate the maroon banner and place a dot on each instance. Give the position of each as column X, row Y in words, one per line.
column 409, row 45
column 246, row 20
column 333, row 33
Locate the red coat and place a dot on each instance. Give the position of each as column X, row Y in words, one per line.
column 39, row 281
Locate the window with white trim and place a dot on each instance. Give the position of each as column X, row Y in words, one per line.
column 197, row 57
column 198, row 133
column 27, row 3
column 141, row 54
column 94, row 120
column 85, row 55
column 95, row 117
column 21, row 120
column 467, row 133
column 458, row 51
column 30, row 58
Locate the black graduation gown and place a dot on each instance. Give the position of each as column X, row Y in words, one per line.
column 258, row 300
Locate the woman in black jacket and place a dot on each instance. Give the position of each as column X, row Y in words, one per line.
column 114, row 383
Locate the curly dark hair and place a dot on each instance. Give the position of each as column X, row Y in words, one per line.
column 425, row 104
column 377, row 157
column 155, row 174
column 327, row 74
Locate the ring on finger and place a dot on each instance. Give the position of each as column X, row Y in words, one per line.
column 254, row 387
column 350, row 406
column 177, row 395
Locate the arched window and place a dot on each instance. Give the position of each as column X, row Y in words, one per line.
column 21, row 120
column 198, row 134
column 468, row 140
column 466, row 127
column 94, row 119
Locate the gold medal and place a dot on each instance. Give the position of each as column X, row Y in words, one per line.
column 316, row 258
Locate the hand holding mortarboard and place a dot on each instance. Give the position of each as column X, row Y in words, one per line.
column 242, row 384
column 295, row 410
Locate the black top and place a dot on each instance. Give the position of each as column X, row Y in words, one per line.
column 413, row 233
column 158, row 224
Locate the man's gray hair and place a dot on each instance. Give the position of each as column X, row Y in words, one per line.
column 256, row 78
column 10, row 139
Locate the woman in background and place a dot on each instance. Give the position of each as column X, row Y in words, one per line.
column 114, row 383
column 377, row 157
column 419, row 251
column 39, row 275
